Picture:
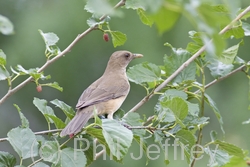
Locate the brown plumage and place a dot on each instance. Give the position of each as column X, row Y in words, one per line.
column 105, row 95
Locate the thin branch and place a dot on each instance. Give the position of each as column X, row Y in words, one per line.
column 68, row 49
column 38, row 133
column 185, row 64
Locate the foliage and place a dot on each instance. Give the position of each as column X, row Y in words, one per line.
column 179, row 112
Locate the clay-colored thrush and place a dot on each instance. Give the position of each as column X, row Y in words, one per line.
column 105, row 95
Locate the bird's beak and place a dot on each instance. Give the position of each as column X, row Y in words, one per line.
column 136, row 55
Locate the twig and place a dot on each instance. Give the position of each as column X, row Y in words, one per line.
column 68, row 49
column 185, row 64
column 38, row 133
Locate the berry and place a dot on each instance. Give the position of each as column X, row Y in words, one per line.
column 71, row 135
column 39, row 88
column 106, row 37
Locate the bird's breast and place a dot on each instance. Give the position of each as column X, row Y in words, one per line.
column 110, row 106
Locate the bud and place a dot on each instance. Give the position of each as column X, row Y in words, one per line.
column 106, row 37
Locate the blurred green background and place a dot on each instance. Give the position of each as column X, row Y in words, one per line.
column 87, row 61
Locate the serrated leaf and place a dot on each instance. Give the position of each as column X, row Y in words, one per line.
column 97, row 133
column 50, row 152
column 236, row 31
column 143, row 145
column 212, row 104
column 175, row 60
column 246, row 28
column 118, row 38
column 133, row 119
column 41, row 105
column 6, row 27
column 24, row 142
column 50, row 38
column 219, row 69
column 165, row 18
column 57, row 121
column 217, row 157
column 70, row 157
column 119, row 114
column 54, row 85
column 2, row 58
column 144, row 73
column 228, row 55
column 92, row 22
column 236, row 161
column 230, row 148
column 7, row 159
column 99, row 8
column 118, row 137
column 186, row 139
column 24, row 120
column 4, row 74
column 213, row 135
column 40, row 164
column 32, row 72
column 68, row 110
column 144, row 18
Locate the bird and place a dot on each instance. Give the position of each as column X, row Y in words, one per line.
column 105, row 95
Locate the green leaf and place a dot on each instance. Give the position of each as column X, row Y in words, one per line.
column 144, row 72
column 24, row 142
column 41, row 105
column 24, row 120
column 54, row 85
column 4, row 74
column 50, row 38
column 219, row 69
column 68, row 110
column 6, row 27
column 143, row 145
column 97, row 133
column 7, row 159
column 175, row 60
column 2, row 58
column 118, row 137
column 228, row 55
column 165, row 18
column 99, row 8
column 217, row 157
column 246, row 28
column 213, row 135
column 87, row 145
column 50, row 152
column 133, row 119
column 158, row 136
column 92, row 22
column 236, row 161
column 212, row 104
column 70, row 157
column 186, row 140
column 57, row 121
column 230, row 148
column 118, row 38
column 144, row 18
column 178, row 106
column 236, row 31
column 119, row 114
column 40, row 164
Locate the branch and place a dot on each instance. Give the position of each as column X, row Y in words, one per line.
column 65, row 51
column 185, row 64
column 38, row 133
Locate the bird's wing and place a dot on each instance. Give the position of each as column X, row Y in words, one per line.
column 102, row 90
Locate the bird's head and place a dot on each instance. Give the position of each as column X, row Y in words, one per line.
column 121, row 59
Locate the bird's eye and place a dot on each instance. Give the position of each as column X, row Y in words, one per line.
column 127, row 54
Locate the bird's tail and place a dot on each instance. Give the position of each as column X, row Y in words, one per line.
column 77, row 123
